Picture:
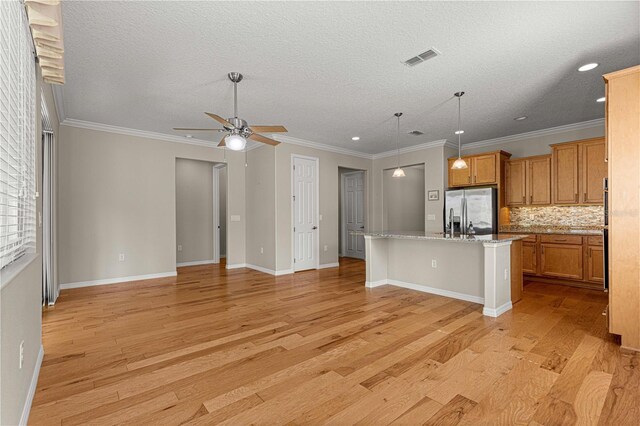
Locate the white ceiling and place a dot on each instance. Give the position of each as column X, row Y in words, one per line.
column 330, row 71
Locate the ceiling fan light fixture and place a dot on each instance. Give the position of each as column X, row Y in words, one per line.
column 459, row 164
column 398, row 173
column 235, row 142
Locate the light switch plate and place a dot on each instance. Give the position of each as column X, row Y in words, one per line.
column 235, row 218
column 431, row 217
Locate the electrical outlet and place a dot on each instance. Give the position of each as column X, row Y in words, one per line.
column 179, row 247
column 21, row 360
column 320, row 217
column 326, row 248
column 434, row 263
column 506, row 274
column 431, row 217
column 532, row 216
column 121, row 257
column 261, row 250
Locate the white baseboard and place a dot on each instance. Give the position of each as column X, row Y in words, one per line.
column 497, row 311
column 270, row 271
column 427, row 289
column 329, row 265
column 32, row 388
column 117, row 280
column 195, row 262
column 236, row 266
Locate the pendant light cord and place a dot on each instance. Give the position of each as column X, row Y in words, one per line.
column 458, row 130
column 397, row 144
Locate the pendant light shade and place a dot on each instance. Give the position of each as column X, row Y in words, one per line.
column 459, row 163
column 398, row 172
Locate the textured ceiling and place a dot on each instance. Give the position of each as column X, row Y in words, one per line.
column 330, row 71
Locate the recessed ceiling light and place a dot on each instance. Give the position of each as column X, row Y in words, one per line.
column 524, row 117
column 459, row 132
column 188, row 136
column 602, row 99
column 355, row 138
column 588, row 67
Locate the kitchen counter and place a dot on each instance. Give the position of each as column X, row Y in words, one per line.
column 478, row 268
column 550, row 229
column 421, row 235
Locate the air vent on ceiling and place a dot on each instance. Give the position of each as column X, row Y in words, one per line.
column 424, row 56
column 416, row 133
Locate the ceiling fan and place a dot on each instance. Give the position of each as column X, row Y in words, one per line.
column 238, row 130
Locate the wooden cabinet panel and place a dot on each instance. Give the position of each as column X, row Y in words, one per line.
column 484, row 169
column 594, row 170
column 539, row 181
column 564, row 159
column 460, row 177
column 561, row 239
column 595, row 264
column 595, row 240
column 529, row 258
column 515, row 172
column 561, row 260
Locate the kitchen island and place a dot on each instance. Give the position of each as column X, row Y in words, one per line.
column 482, row 268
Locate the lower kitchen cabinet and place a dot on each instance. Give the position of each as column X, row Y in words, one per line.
column 561, row 260
column 595, row 264
column 529, row 258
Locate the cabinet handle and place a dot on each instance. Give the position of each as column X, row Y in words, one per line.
column 575, row 198
column 524, row 199
column 585, row 197
column 469, row 179
column 530, row 199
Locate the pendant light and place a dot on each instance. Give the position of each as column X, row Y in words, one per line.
column 398, row 172
column 459, row 163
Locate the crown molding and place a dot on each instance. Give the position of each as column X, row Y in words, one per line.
column 58, row 100
column 321, row 146
column 71, row 122
column 413, row 148
column 536, row 133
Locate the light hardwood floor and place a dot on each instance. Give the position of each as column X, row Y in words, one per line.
column 241, row 347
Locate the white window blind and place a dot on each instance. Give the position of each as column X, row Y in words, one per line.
column 17, row 135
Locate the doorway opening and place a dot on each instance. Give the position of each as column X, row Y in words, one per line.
column 201, row 212
column 353, row 213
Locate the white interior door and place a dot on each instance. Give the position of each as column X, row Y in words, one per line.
column 354, row 214
column 305, row 213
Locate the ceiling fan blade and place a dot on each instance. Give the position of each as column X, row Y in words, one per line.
column 221, row 144
column 221, row 120
column 259, row 138
column 204, row 130
column 269, row 129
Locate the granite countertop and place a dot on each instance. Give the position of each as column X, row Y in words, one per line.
column 552, row 229
column 421, row 235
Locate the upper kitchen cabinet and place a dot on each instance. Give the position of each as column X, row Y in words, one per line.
column 564, row 166
column 528, row 181
column 578, row 169
column 483, row 169
column 460, row 177
column 594, row 170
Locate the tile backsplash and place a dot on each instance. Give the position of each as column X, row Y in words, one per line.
column 576, row 216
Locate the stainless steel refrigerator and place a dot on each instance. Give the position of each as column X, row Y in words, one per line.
column 475, row 208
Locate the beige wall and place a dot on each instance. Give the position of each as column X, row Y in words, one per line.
column 539, row 145
column 117, row 195
column 194, row 210
column 404, row 199
column 261, row 207
column 434, row 178
column 329, row 194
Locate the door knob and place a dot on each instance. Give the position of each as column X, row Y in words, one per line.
column 315, row 227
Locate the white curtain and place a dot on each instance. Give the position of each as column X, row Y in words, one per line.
column 50, row 288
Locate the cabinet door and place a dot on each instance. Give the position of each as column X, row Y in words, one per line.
column 529, row 259
column 564, row 161
column 594, row 170
column 595, row 264
column 515, row 175
column 561, row 260
column 460, row 177
column 485, row 169
column 539, row 181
